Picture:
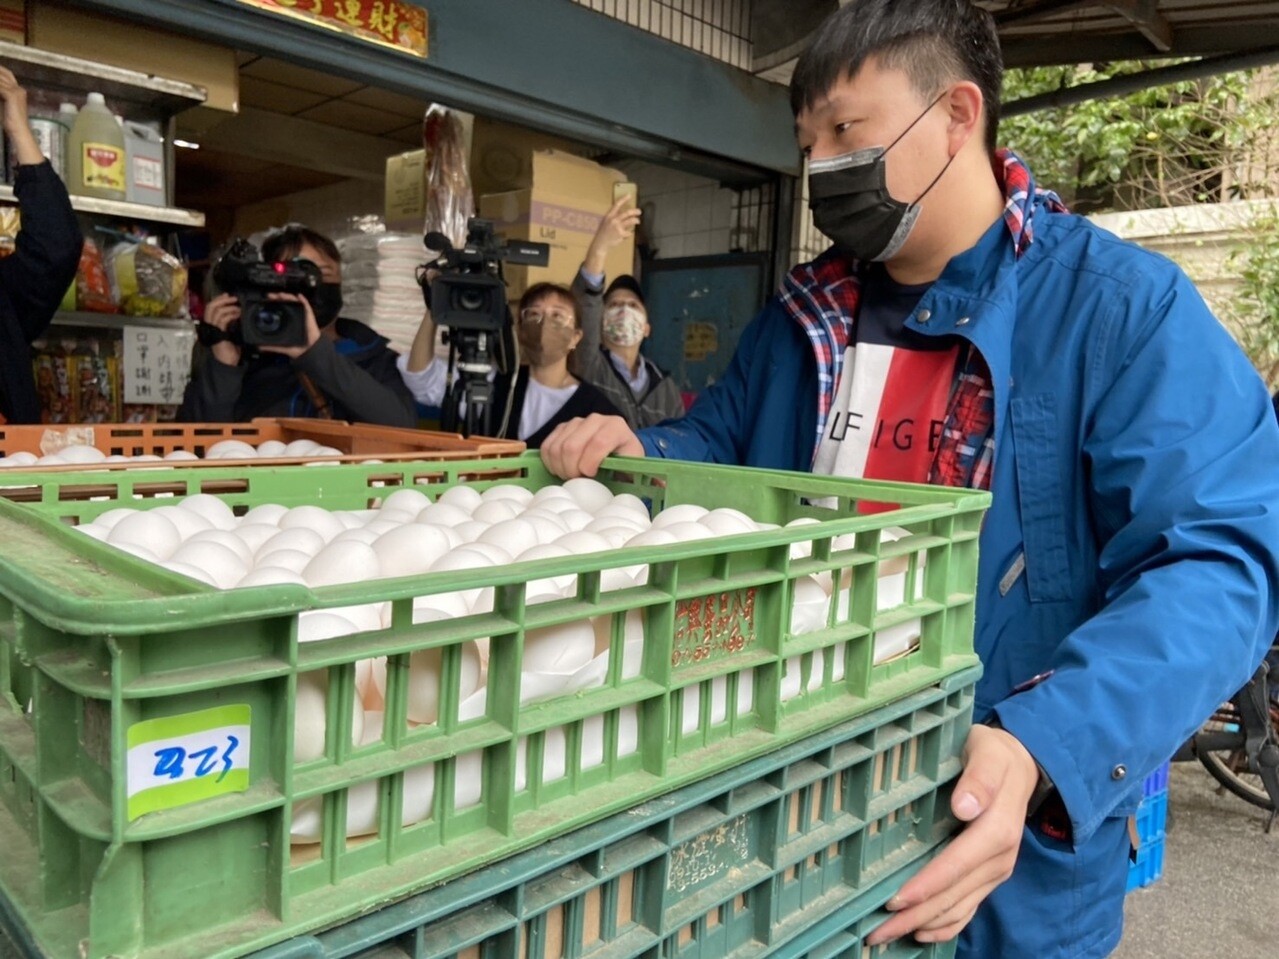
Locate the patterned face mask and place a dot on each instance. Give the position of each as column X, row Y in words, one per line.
column 624, row 325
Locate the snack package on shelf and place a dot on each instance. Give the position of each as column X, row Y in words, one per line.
column 10, row 223
column 93, row 289
column 145, row 280
column 55, row 386
column 97, row 381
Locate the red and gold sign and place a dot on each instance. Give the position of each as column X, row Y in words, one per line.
column 391, row 23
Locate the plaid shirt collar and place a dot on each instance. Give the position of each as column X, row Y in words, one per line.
column 823, row 296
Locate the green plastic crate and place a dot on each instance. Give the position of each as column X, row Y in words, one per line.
column 99, row 643
column 792, row 854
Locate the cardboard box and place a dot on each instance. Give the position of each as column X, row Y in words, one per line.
column 406, row 191
column 13, row 21
column 563, row 208
column 502, row 155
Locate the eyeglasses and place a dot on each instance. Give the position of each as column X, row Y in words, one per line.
column 555, row 317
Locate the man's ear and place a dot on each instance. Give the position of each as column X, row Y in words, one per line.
column 964, row 104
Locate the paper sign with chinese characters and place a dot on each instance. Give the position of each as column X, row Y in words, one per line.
column 390, row 23
column 157, row 364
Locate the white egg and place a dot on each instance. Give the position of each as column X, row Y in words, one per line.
column 581, row 542
column 443, row 514
column 513, row 535
column 495, row 511
column 141, row 552
column 728, row 522
column 342, row 563
column 485, row 601
column 225, row 538
column 310, row 718
column 561, row 648
column 410, row 550
column 361, row 534
column 425, row 671
column 300, row 448
column 559, row 585
column 681, row 513
column 515, row 494
column 115, row 458
column 626, row 504
column 187, row 522
column 407, row 501
column 558, row 505
column 271, row 448
column 629, row 523
column 268, row 514
column 270, row 576
column 430, row 609
column 615, row 579
column 617, row 536
column 148, row 458
column 21, row 458
column 313, row 518
column 255, row 535
column 549, row 526
column 554, row 753
column 94, row 531
column 803, row 549
column 651, row 537
column 192, row 572
column 497, row 556
column 156, row 533
column 81, row 453
column 217, row 512
column 460, row 559
column 463, row 497
column 180, row 455
column 590, row 494
column 327, row 451
column 298, row 538
column 111, row 517
column 293, row 560
column 367, row 617
column 810, row 605
column 687, row 532
column 51, row 459
column 322, row 624
column 632, row 640
column 576, row 519
column 471, row 531
column 548, row 493
column 230, row 450
column 397, row 517
column 219, row 561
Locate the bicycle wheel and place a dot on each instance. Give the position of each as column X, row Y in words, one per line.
column 1228, row 763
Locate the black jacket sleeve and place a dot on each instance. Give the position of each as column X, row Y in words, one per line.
column 212, row 392
column 373, row 393
column 36, row 275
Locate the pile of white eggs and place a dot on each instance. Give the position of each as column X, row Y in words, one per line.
column 411, row 534
column 80, row 454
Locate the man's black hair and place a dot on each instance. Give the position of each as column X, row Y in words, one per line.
column 286, row 243
column 935, row 42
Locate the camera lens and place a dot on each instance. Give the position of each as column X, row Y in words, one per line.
column 471, row 300
column 269, row 320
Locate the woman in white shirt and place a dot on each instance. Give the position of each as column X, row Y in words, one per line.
column 543, row 393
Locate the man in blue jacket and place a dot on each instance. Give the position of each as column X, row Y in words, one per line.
column 966, row 330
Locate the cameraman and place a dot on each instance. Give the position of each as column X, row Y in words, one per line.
column 345, row 371
column 615, row 324
column 545, row 394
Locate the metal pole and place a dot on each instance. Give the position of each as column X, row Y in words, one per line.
column 1161, row 76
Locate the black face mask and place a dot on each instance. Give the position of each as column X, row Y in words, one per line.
column 327, row 303
column 849, row 197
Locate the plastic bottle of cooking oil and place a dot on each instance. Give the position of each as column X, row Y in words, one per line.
column 95, row 152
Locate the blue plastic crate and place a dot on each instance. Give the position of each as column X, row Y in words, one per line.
column 1152, row 817
column 1149, row 867
column 1156, row 782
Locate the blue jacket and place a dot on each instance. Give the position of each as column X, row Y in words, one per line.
column 1136, row 476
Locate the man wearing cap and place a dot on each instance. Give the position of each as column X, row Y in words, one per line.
column 614, row 326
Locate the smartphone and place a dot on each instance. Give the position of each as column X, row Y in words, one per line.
column 628, row 190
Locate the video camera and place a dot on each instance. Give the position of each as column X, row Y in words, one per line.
column 241, row 272
column 469, row 293
column 468, row 298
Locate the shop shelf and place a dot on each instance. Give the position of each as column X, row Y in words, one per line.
column 97, row 648
column 358, row 442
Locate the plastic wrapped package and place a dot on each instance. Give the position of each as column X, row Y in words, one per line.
column 145, row 280
column 450, row 201
column 93, row 289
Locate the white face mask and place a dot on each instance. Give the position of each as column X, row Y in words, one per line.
column 624, row 325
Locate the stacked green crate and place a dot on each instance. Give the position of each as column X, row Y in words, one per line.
column 100, row 652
